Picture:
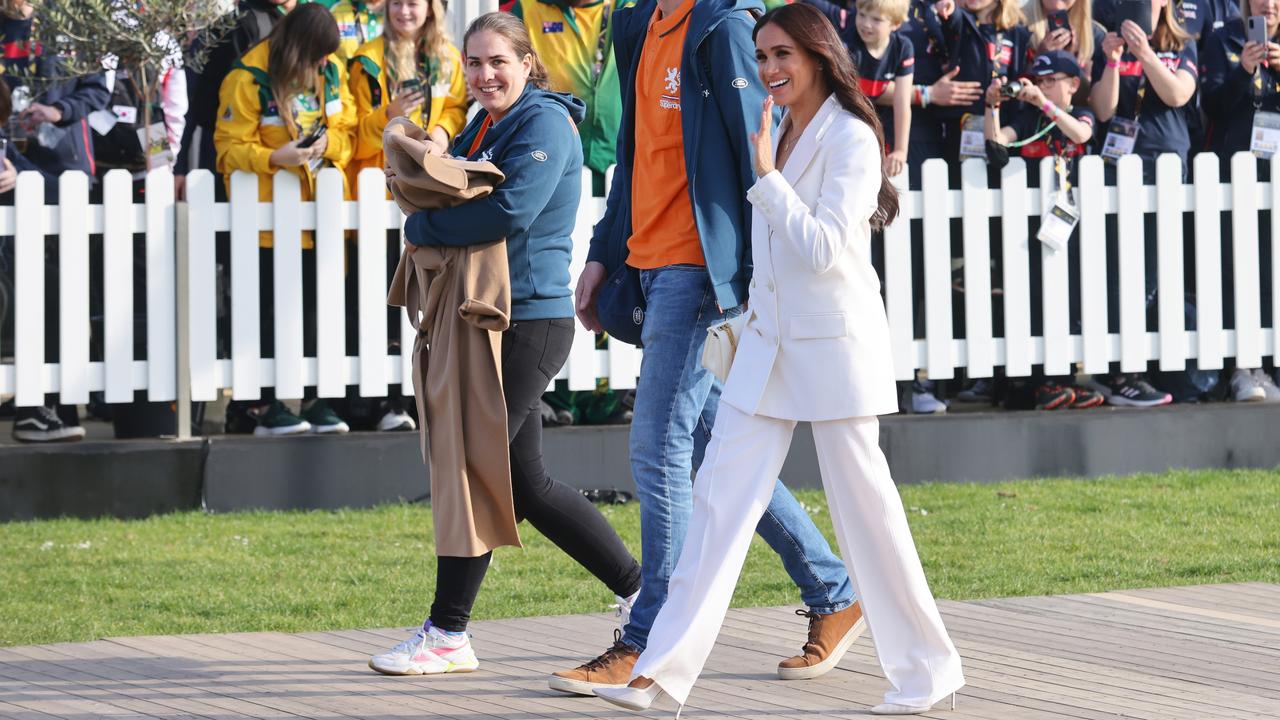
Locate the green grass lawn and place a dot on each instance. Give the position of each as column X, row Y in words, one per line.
column 74, row 580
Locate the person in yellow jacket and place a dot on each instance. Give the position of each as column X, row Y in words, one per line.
column 359, row 22
column 272, row 107
column 411, row 71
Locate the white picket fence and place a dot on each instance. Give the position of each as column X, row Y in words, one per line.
column 183, row 364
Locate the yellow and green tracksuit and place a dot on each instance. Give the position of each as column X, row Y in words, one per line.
column 357, row 25
column 250, row 126
column 373, row 88
column 580, row 61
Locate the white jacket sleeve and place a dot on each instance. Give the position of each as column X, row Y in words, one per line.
column 849, row 196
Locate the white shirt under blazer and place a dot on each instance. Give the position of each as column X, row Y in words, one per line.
column 817, row 344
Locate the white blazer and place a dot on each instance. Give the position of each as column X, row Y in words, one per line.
column 816, row 346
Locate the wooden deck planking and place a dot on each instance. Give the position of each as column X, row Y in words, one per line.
column 1151, row 654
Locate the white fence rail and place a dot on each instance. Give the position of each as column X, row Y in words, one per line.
column 181, row 299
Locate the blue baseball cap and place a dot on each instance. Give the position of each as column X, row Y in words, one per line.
column 1053, row 62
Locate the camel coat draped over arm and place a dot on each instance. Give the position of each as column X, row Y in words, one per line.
column 459, row 302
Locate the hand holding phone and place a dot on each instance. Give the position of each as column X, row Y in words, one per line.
column 316, row 133
column 1058, row 34
column 1139, row 11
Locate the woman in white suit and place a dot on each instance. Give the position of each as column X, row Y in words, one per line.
column 815, row 349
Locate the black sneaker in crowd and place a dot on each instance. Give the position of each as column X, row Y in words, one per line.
column 1135, row 391
column 396, row 418
column 42, row 425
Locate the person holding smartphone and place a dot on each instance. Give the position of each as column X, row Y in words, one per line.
column 272, row 108
column 1143, row 77
column 411, row 71
column 1066, row 25
column 1141, row 81
column 1241, row 78
column 1240, row 81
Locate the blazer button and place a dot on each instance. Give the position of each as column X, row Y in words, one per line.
column 770, row 286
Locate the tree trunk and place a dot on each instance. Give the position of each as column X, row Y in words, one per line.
column 144, row 91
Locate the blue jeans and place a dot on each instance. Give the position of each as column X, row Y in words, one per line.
column 676, row 402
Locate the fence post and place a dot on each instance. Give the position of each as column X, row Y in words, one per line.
column 182, row 296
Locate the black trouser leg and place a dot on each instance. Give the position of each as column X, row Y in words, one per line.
column 532, row 353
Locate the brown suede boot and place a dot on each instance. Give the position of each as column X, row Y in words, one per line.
column 610, row 670
column 829, row 638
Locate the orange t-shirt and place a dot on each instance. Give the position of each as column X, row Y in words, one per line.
column 662, row 228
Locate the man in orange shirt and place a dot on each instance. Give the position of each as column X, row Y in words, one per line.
column 677, row 213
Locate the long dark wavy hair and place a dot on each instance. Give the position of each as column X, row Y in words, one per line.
column 813, row 33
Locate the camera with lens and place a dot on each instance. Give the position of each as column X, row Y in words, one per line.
column 1011, row 89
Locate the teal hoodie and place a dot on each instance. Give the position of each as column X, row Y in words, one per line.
column 536, row 146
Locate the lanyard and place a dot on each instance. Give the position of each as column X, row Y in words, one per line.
column 484, row 128
column 1142, row 94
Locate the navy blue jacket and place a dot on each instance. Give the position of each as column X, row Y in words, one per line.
column 972, row 46
column 75, row 98
column 1230, row 93
column 536, row 146
column 721, row 98
column 924, row 30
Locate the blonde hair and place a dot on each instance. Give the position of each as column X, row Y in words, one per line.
column 405, row 55
column 1080, row 15
column 1010, row 14
column 1169, row 35
column 895, row 11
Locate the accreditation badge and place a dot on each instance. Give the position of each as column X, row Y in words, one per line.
column 1122, row 136
column 1058, row 223
column 1264, row 139
column 973, row 144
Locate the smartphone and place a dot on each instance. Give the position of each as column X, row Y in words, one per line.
column 4, row 147
column 1059, row 21
column 410, row 86
column 1139, row 11
column 315, row 135
column 1258, row 30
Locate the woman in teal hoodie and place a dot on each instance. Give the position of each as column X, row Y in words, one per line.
column 531, row 135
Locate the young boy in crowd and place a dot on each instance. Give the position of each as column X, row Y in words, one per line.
column 1049, row 126
column 1055, row 78
column 885, row 60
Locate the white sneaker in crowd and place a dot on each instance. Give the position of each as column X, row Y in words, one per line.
column 396, row 421
column 923, row 401
column 1245, row 386
column 1268, row 385
column 429, row 652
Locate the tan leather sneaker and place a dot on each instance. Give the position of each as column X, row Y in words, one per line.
column 829, row 638
column 611, row 670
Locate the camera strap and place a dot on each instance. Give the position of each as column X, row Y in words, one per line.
column 1041, row 133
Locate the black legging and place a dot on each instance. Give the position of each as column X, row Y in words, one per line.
column 533, row 352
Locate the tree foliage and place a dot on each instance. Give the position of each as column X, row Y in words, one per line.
column 143, row 37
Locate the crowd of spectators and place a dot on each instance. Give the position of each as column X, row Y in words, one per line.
column 299, row 86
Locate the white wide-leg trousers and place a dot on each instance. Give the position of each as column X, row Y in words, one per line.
column 730, row 494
